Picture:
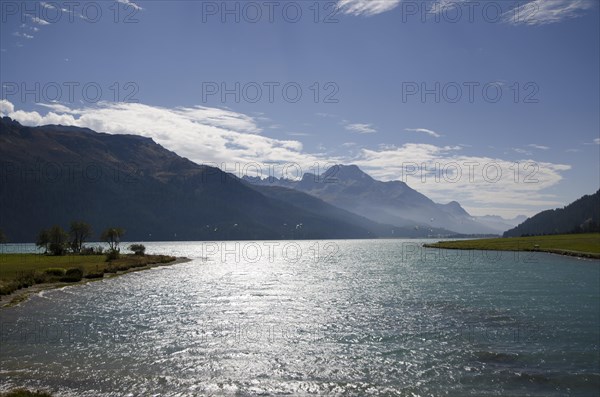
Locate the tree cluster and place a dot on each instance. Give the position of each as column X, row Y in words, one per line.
column 57, row 241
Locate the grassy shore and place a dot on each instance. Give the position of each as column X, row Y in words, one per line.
column 22, row 274
column 581, row 245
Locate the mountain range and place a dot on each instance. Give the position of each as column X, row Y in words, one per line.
column 55, row 174
column 348, row 187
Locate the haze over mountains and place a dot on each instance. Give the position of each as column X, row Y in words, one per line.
column 56, row 174
column 348, row 187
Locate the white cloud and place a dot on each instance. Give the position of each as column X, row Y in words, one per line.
column 596, row 141
column 529, row 12
column 39, row 21
column 204, row 135
column 321, row 114
column 542, row 12
column 424, row 130
column 522, row 151
column 366, row 7
column 130, row 3
column 471, row 180
column 34, row 118
column 24, row 35
column 220, row 118
column 361, row 128
column 540, row 147
column 6, row 107
column 47, row 5
column 57, row 107
column 439, row 6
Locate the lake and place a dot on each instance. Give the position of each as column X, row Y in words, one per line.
column 347, row 317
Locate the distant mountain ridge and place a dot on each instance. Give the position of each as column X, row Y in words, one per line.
column 308, row 202
column 56, row 174
column 501, row 224
column 394, row 202
column 581, row 216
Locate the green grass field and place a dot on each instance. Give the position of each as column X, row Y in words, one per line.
column 12, row 264
column 587, row 245
column 24, row 270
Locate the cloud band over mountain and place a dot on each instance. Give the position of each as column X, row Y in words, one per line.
column 227, row 139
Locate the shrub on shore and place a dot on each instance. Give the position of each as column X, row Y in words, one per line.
column 72, row 275
column 26, row 279
column 112, row 255
column 55, row 271
column 137, row 249
column 8, row 287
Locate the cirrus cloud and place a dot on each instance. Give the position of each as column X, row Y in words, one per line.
column 366, row 7
column 424, row 130
column 543, row 12
column 361, row 128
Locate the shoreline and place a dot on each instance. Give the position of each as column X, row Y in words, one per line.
column 577, row 245
column 561, row 252
column 22, row 295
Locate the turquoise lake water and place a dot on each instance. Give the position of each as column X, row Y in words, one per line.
column 359, row 318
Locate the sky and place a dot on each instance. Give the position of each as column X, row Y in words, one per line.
column 494, row 104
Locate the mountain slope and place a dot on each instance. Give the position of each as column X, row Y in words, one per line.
column 55, row 174
column 581, row 216
column 347, row 187
column 320, row 207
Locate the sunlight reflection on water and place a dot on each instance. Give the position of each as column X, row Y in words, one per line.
column 378, row 317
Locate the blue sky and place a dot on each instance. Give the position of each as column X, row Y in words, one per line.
column 369, row 62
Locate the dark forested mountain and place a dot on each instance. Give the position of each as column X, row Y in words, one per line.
column 55, row 174
column 581, row 216
column 348, row 187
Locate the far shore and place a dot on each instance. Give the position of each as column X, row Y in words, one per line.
column 578, row 245
column 22, row 294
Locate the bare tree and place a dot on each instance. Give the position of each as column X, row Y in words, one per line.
column 43, row 240
column 80, row 232
column 113, row 237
